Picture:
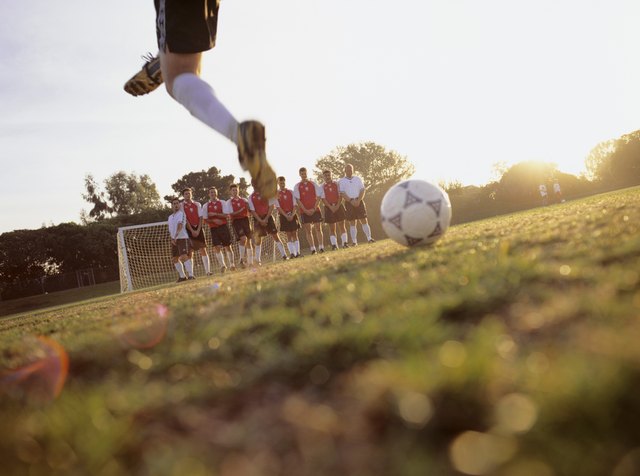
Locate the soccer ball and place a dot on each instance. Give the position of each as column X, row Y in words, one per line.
column 415, row 213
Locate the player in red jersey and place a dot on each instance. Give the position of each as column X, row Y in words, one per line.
column 333, row 210
column 308, row 195
column 194, row 228
column 215, row 215
column 238, row 209
column 262, row 211
column 288, row 217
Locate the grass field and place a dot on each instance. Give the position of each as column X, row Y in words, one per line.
column 41, row 301
column 510, row 348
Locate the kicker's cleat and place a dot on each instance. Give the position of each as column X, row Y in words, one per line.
column 252, row 156
column 147, row 79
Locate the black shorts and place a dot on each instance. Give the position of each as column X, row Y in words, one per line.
column 286, row 225
column 180, row 248
column 315, row 218
column 242, row 227
column 197, row 242
column 269, row 229
column 333, row 217
column 355, row 213
column 186, row 26
column 220, row 235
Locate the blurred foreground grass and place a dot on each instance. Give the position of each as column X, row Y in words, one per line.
column 510, row 348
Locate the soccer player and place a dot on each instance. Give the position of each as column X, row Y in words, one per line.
column 543, row 194
column 194, row 228
column 238, row 209
column 557, row 191
column 308, row 196
column 333, row 210
column 288, row 217
column 352, row 190
column 262, row 211
column 214, row 214
column 179, row 241
column 186, row 29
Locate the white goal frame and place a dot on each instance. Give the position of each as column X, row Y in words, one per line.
column 144, row 255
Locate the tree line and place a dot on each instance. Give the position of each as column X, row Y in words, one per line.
column 130, row 199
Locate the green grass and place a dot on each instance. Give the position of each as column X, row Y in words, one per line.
column 510, row 348
column 42, row 301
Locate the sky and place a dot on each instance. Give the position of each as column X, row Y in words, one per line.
column 455, row 86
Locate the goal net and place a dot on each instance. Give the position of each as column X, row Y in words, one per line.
column 144, row 255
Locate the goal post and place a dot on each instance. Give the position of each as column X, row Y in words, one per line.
column 144, row 255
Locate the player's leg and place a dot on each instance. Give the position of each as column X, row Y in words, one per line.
column 364, row 223
column 319, row 235
column 258, row 248
column 307, row 233
column 204, row 256
column 332, row 236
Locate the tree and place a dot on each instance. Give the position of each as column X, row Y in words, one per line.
column 598, row 160
column 131, row 193
column 616, row 163
column 101, row 208
column 124, row 194
column 519, row 184
column 378, row 167
column 201, row 181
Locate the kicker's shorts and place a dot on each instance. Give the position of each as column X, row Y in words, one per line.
column 186, row 26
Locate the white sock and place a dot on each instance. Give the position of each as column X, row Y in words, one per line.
column 188, row 265
column 230, row 258
column 280, row 248
column 333, row 240
column 200, row 100
column 344, row 239
column 220, row 257
column 180, row 269
column 242, row 251
column 297, row 247
column 354, row 234
column 249, row 256
column 258, row 252
column 367, row 230
column 291, row 246
column 206, row 264
column 312, row 248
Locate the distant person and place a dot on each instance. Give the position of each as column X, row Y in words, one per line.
column 238, row 209
column 543, row 194
column 288, row 217
column 308, row 195
column 186, row 29
column 334, row 213
column 353, row 191
column 179, row 242
column 214, row 214
column 557, row 191
column 264, row 224
column 194, row 228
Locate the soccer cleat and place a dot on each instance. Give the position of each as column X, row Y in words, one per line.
column 354, row 244
column 242, row 264
column 180, row 280
column 285, row 257
column 147, row 79
column 313, row 252
column 334, row 247
column 321, row 250
column 223, row 270
column 372, row 240
column 253, row 157
column 191, row 277
column 345, row 245
column 291, row 256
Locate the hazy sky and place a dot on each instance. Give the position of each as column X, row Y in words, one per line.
column 453, row 85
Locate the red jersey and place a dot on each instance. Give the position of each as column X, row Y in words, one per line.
column 307, row 193
column 285, row 200
column 331, row 193
column 192, row 212
column 236, row 204
column 215, row 207
column 258, row 204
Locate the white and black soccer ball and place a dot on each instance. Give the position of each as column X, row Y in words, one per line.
column 415, row 212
